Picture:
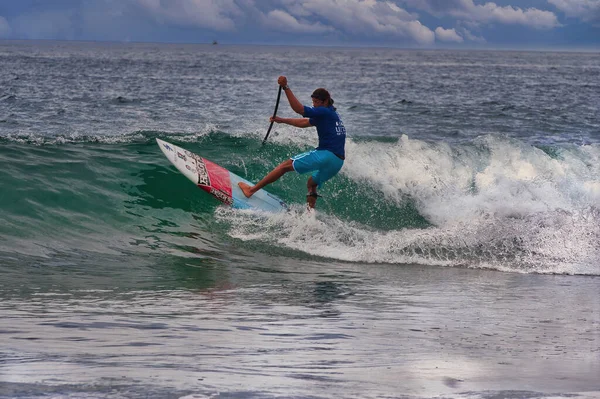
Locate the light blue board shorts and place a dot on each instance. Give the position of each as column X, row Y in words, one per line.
column 324, row 163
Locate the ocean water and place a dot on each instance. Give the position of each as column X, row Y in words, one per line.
column 456, row 255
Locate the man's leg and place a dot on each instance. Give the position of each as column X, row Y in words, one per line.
column 311, row 198
column 273, row 176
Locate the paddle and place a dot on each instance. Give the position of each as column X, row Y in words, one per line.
column 274, row 114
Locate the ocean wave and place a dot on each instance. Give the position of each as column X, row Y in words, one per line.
column 496, row 203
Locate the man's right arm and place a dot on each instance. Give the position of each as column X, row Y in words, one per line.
column 294, row 102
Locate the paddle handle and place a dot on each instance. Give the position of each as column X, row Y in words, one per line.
column 274, row 115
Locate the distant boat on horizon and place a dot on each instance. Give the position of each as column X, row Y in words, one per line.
column 215, row 42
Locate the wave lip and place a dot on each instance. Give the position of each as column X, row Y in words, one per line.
column 137, row 137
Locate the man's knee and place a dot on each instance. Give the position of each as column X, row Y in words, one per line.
column 287, row 166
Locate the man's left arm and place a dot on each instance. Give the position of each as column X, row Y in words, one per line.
column 298, row 122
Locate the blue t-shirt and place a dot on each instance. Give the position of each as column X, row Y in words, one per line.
column 331, row 130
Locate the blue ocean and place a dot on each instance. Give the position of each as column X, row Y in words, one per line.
column 456, row 255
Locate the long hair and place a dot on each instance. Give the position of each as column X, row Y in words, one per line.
column 323, row 95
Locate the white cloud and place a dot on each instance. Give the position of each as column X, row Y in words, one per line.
column 419, row 32
column 447, row 35
column 282, row 21
column 586, row 10
column 212, row 14
column 532, row 17
column 367, row 18
column 4, row 28
column 468, row 11
column 298, row 10
column 467, row 34
column 346, row 20
column 371, row 18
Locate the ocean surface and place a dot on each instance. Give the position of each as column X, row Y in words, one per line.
column 456, row 255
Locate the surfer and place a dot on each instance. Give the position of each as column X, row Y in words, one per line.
column 326, row 160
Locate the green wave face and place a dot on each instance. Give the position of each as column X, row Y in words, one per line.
column 487, row 204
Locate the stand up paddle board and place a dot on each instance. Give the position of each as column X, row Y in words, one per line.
column 218, row 181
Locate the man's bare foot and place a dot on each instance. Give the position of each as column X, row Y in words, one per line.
column 246, row 189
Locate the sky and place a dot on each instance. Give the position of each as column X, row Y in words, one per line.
column 511, row 24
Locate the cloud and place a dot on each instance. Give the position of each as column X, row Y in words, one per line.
column 467, row 34
column 282, row 21
column 396, row 22
column 349, row 18
column 586, row 10
column 509, row 15
column 4, row 28
column 372, row 18
column 212, row 14
column 447, row 35
column 487, row 13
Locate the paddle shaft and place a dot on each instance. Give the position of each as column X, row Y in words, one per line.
column 274, row 115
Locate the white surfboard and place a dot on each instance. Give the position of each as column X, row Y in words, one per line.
column 218, row 181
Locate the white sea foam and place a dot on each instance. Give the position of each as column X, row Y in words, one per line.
column 190, row 135
column 498, row 204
